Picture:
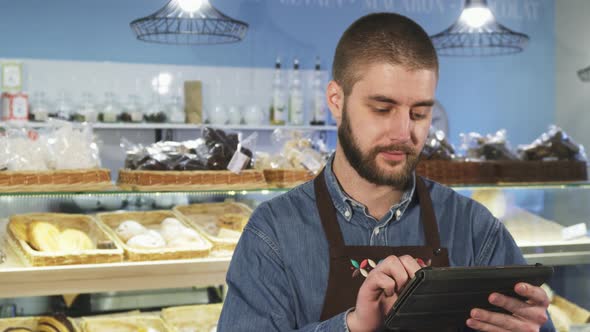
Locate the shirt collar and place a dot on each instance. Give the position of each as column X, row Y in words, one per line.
column 342, row 201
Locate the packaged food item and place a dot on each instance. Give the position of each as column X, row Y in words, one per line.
column 554, row 144
column 59, row 146
column 489, row 147
column 213, row 151
column 437, row 147
column 298, row 151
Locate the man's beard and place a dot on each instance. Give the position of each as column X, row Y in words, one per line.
column 365, row 164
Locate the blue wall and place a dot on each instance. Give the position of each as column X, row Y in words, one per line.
column 480, row 94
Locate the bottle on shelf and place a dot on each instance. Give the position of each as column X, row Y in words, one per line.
column 296, row 97
column 318, row 93
column 277, row 107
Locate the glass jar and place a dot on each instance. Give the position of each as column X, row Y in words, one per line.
column 155, row 112
column 88, row 108
column 63, row 107
column 176, row 112
column 132, row 109
column 39, row 105
column 110, row 110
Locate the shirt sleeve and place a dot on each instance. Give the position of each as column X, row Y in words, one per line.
column 259, row 296
column 499, row 248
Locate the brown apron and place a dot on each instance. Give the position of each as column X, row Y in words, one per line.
column 349, row 265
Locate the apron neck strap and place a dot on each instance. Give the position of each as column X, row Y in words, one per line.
column 327, row 212
column 427, row 214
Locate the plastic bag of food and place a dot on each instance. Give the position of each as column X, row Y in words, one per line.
column 490, row 147
column 554, row 144
column 297, row 150
column 72, row 147
column 25, row 150
column 213, row 151
column 437, row 147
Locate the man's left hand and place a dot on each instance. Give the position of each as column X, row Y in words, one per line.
column 526, row 316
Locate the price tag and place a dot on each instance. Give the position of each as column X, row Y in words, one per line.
column 311, row 164
column 238, row 162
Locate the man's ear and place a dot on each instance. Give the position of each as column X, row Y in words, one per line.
column 335, row 99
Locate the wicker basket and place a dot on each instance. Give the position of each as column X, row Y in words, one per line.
column 62, row 180
column 490, row 172
column 30, row 323
column 85, row 223
column 199, row 318
column 286, row 178
column 455, row 172
column 189, row 180
column 541, row 171
column 204, row 216
column 120, row 324
column 150, row 219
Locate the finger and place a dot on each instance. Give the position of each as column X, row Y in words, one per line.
column 535, row 294
column 531, row 312
column 386, row 304
column 394, row 268
column 410, row 264
column 502, row 321
column 482, row 326
column 380, row 283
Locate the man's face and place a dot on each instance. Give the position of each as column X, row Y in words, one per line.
column 385, row 122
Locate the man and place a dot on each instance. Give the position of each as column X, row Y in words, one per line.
column 307, row 260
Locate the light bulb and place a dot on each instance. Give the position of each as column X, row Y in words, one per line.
column 476, row 17
column 190, row 6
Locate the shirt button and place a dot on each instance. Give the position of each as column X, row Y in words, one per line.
column 376, row 231
column 347, row 213
column 398, row 214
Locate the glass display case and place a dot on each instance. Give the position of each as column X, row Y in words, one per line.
column 548, row 221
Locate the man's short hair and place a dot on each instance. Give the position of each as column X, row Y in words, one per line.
column 381, row 37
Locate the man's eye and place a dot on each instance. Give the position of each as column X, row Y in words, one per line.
column 418, row 116
column 381, row 110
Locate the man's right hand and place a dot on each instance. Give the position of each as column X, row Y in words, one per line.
column 379, row 292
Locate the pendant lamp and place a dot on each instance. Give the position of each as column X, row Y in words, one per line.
column 189, row 22
column 477, row 33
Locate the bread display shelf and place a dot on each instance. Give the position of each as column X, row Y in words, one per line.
column 16, row 237
column 110, row 221
column 189, row 180
column 127, row 323
column 71, row 279
column 286, row 178
column 56, row 181
column 205, row 216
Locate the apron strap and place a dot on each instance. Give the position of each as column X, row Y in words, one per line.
column 327, row 212
column 427, row 215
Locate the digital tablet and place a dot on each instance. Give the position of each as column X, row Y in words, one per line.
column 444, row 296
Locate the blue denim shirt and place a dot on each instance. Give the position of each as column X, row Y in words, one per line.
column 279, row 271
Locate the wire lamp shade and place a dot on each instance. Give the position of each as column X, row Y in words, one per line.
column 492, row 38
column 172, row 25
column 584, row 74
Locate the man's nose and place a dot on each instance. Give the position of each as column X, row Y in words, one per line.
column 399, row 126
